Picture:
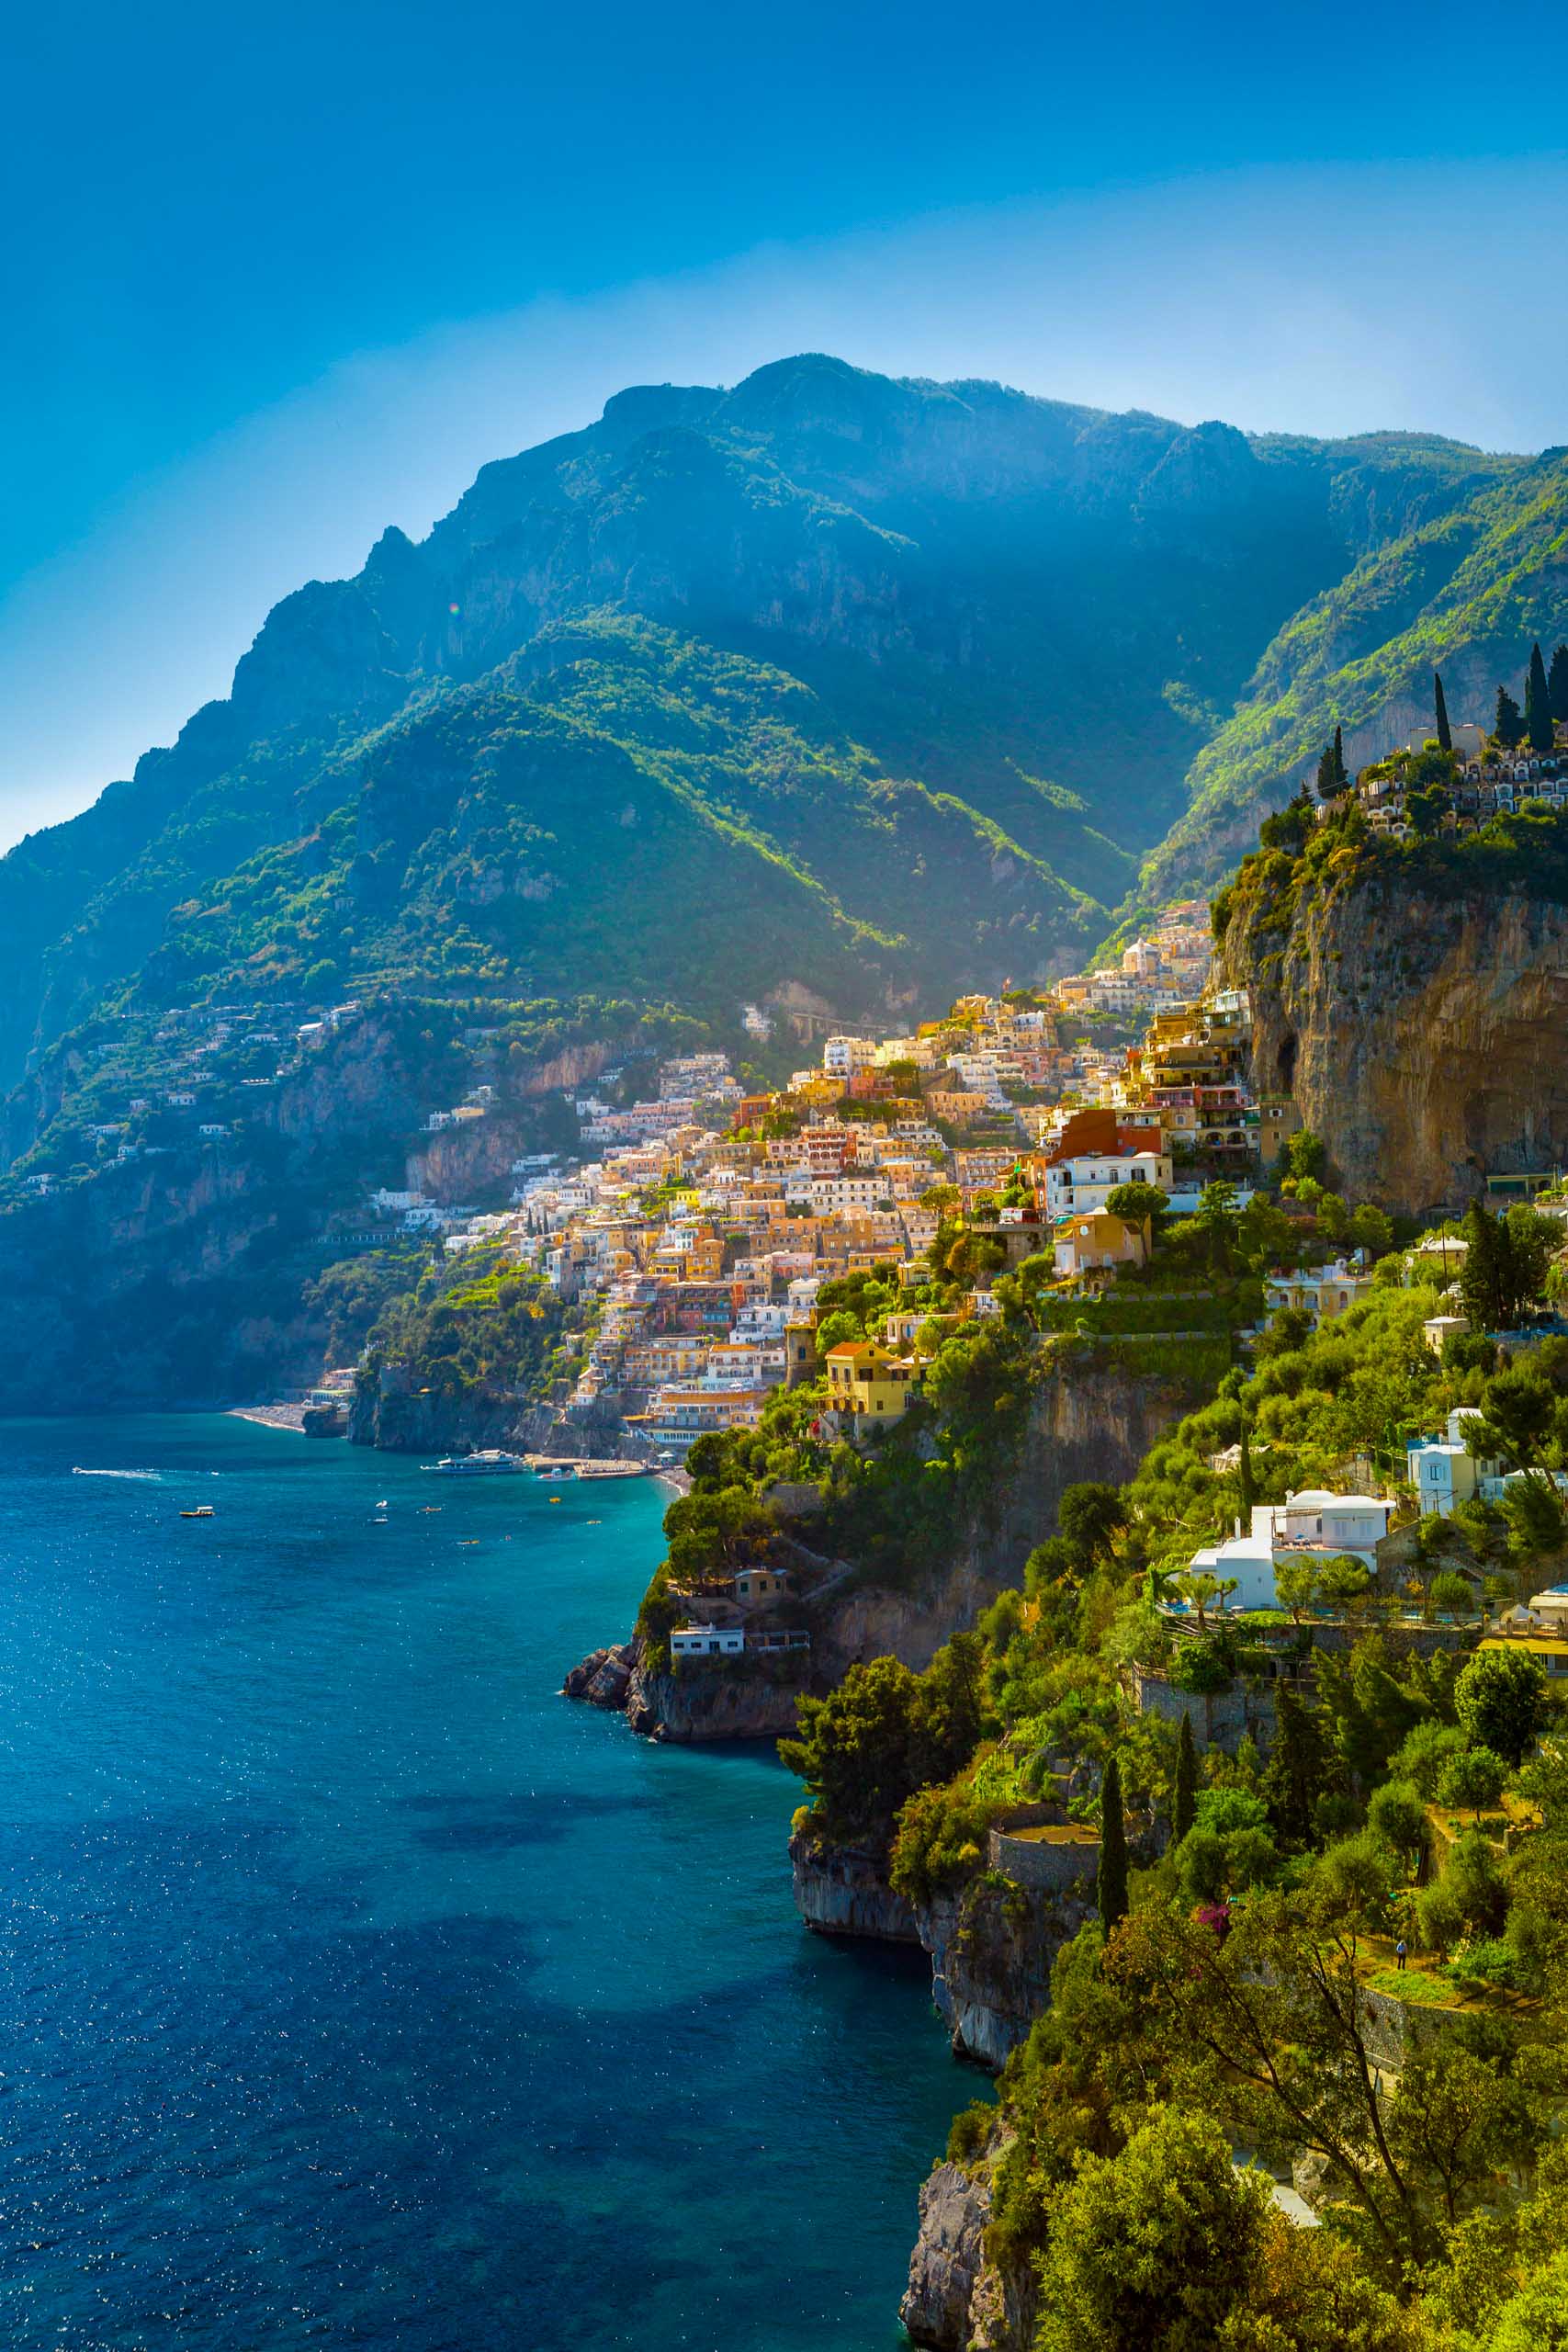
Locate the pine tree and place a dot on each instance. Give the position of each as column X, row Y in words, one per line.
column 1111, row 1882
column 1557, row 683
column 1538, row 704
column 1184, row 1804
column 1508, row 727
column 1341, row 773
column 1445, row 734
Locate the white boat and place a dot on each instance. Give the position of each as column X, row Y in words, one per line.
column 492, row 1462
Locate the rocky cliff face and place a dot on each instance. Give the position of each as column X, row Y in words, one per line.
column 842, row 1890
column 959, row 2297
column 1086, row 1422
column 992, row 1951
column 708, row 1703
column 1420, row 1036
column 992, row 1948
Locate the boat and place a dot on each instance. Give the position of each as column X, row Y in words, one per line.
column 612, row 1469
column 492, row 1462
column 554, row 1470
column 201, row 1511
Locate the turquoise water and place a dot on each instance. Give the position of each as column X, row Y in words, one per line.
column 357, row 1990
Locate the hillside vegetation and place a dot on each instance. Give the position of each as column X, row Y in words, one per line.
column 877, row 686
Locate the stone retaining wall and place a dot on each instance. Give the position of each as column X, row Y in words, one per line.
column 1038, row 1863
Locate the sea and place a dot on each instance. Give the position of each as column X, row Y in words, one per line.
column 355, row 1988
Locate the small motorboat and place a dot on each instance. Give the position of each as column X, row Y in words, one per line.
column 201, row 1511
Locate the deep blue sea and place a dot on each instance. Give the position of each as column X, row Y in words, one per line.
column 357, row 1990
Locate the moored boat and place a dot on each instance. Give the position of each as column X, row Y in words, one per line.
column 490, row 1461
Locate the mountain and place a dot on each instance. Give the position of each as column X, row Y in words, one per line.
column 830, row 691
column 888, row 628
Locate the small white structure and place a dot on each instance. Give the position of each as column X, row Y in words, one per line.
column 1444, row 1471
column 1314, row 1524
column 707, row 1641
column 1440, row 1329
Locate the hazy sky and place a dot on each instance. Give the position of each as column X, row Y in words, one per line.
column 274, row 278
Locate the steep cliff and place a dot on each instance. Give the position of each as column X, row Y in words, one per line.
column 844, row 1891
column 1414, row 1004
column 991, row 1945
column 961, row 2298
column 188, row 1272
column 992, row 1949
column 1086, row 1419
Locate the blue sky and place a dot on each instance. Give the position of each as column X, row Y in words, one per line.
column 277, row 277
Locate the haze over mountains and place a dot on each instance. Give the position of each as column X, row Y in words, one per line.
column 880, row 688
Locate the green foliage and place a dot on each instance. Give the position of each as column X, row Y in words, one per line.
column 882, row 1733
column 1184, row 1803
column 1153, row 2249
column 1110, row 1880
column 479, row 1324
column 1398, row 1814
column 1505, row 1265
column 1501, row 1700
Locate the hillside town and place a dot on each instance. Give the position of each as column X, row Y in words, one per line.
column 699, row 1237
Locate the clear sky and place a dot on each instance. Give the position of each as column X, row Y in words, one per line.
column 276, row 277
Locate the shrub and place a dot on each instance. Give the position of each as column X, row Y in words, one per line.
column 971, row 2129
column 1203, row 1665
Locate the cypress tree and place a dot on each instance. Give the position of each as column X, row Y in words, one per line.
column 1508, row 726
column 1557, row 683
column 1445, row 735
column 1297, row 1772
column 1538, row 704
column 1184, row 1804
column 1341, row 773
column 1244, row 1469
column 1111, row 1881
column 1327, row 782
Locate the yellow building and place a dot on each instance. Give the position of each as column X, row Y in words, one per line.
column 868, row 1385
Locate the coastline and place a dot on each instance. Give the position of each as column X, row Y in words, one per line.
column 270, row 1417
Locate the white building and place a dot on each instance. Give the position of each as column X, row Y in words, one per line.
column 842, row 1057
column 1444, row 1471
column 1078, row 1186
column 1308, row 1526
column 708, row 1641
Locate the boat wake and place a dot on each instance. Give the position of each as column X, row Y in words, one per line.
column 154, row 1476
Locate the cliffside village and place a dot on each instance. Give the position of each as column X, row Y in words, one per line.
column 703, row 1230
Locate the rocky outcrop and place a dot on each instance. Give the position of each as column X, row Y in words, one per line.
column 961, row 2298
column 842, row 1890
column 1420, row 1036
column 603, row 1679
column 946, row 2264
column 754, row 1701
column 992, row 1949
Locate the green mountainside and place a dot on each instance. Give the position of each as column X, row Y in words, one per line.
column 1466, row 593
column 928, row 670
column 828, row 690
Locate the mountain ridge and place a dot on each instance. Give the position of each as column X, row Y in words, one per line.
column 980, row 586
